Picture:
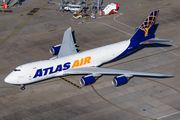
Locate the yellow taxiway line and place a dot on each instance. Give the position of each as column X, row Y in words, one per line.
column 79, row 24
column 108, row 66
column 118, row 106
column 22, row 24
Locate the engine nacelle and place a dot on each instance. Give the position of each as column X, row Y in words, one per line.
column 119, row 80
column 86, row 80
column 54, row 50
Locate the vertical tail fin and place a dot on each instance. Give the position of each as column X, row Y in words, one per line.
column 147, row 26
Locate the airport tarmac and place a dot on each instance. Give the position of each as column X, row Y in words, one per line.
column 27, row 38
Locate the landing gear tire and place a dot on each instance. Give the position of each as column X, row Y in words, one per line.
column 22, row 87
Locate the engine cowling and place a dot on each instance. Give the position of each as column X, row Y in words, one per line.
column 86, row 80
column 54, row 50
column 119, row 80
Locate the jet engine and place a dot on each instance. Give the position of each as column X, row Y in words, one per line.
column 54, row 50
column 119, row 80
column 86, row 80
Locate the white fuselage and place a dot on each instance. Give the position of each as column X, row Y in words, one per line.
column 40, row 70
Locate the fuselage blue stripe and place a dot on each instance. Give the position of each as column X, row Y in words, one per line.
column 134, row 44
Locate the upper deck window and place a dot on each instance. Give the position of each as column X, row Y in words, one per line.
column 17, row 70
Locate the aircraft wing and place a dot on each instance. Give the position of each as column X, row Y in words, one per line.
column 109, row 71
column 68, row 45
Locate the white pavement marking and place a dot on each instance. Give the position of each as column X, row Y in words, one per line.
column 170, row 51
column 168, row 115
column 122, row 23
column 121, row 13
column 134, row 28
column 174, row 45
column 112, row 27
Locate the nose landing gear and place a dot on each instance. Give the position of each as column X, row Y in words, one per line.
column 22, row 87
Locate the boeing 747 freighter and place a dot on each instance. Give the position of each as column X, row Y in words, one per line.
column 70, row 62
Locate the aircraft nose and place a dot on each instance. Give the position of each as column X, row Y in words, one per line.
column 10, row 79
column 7, row 80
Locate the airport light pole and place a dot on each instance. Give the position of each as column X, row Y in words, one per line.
column 98, row 9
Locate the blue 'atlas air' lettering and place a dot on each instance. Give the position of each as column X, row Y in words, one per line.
column 49, row 70
column 59, row 68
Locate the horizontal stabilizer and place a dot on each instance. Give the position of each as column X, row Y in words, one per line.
column 155, row 40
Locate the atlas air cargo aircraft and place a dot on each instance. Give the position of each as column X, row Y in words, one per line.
column 69, row 62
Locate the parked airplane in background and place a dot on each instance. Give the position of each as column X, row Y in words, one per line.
column 69, row 62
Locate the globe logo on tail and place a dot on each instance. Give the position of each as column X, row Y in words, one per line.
column 149, row 22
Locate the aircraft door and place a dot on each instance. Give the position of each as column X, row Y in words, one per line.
column 30, row 77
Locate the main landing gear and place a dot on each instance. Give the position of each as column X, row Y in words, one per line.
column 22, row 87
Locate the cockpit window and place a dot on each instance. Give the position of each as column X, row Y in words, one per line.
column 17, row 70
